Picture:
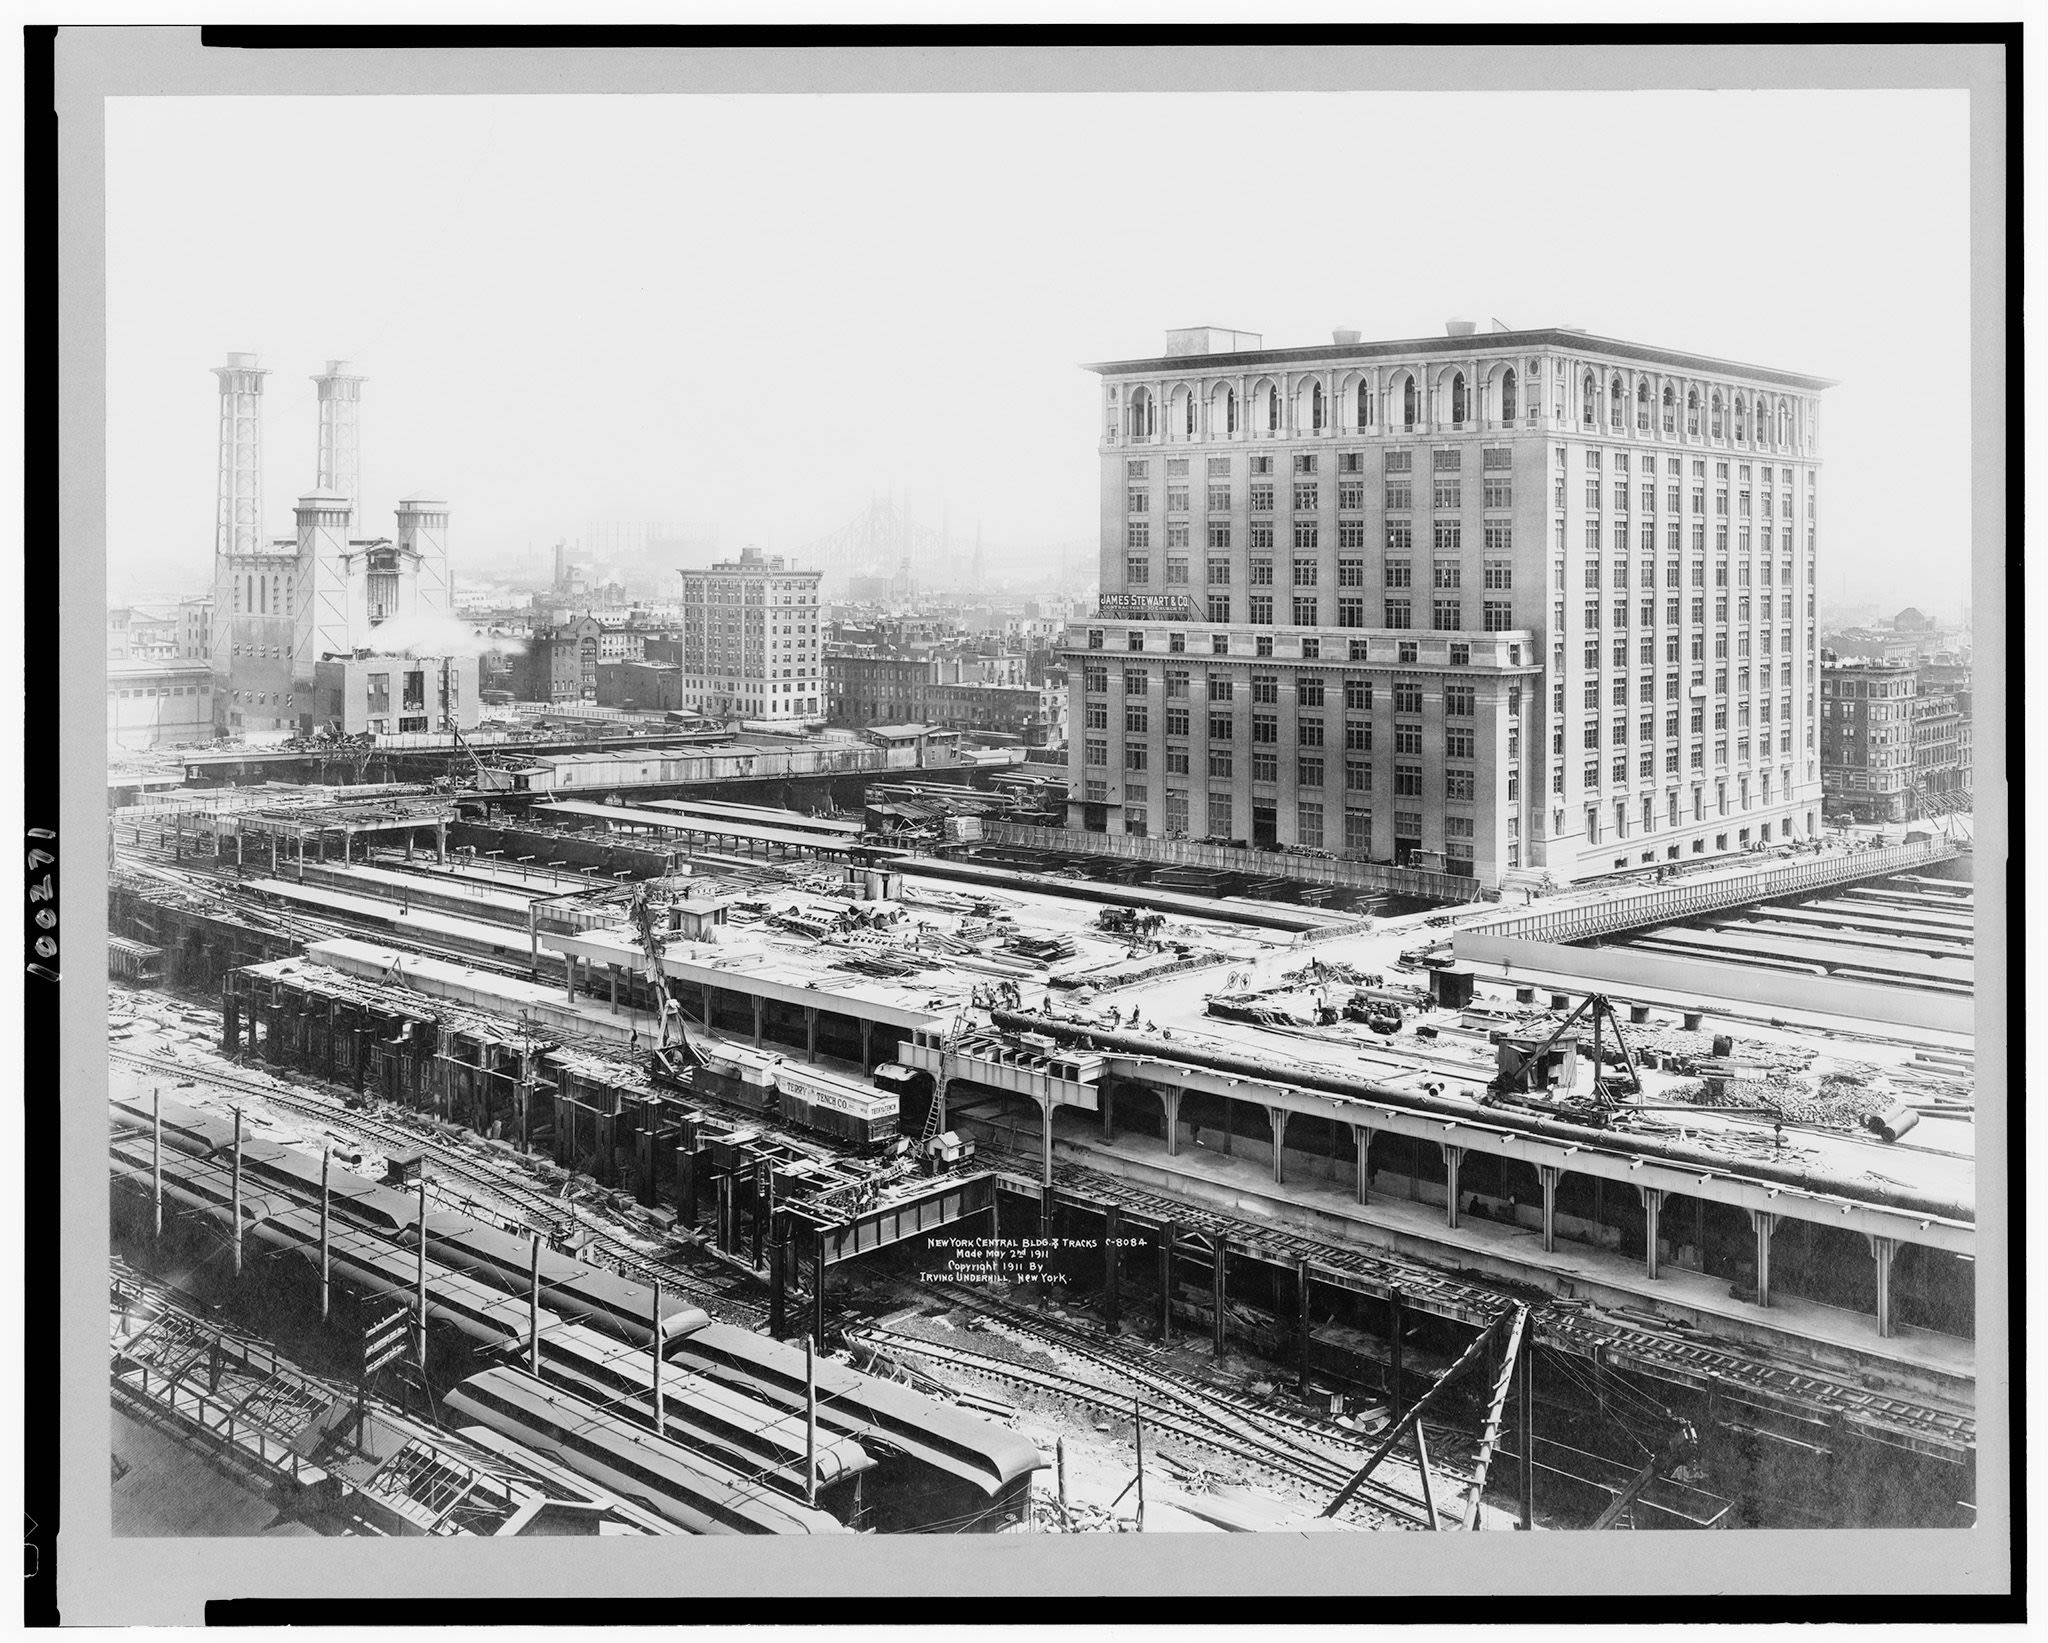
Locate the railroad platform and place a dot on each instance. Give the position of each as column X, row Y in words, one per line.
column 1831, row 1337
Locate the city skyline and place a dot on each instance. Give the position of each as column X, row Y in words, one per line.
column 913, row 317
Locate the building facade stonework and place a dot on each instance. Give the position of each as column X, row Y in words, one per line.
column 751, row 647
column 1481, row 603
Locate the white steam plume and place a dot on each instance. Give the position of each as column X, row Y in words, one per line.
column 437, row 636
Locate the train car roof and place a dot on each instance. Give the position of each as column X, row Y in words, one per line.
column 989, row 1455
column 718, row 1494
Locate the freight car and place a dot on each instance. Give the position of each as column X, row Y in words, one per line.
column 690, row 1490
column 812, row 1098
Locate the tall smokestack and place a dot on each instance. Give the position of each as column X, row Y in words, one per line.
column 423, row 530
column 238, row 511
column 340, row 470
column 239, row 515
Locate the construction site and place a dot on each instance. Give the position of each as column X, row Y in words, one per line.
column 495, row 1162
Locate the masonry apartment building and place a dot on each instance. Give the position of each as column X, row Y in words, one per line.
column 1485, row 603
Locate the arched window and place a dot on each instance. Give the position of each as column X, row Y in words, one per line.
column 1718, row 425
column 1784, row 423
column 1458, row 406
column 1642, row 407
column 1692, row 412
column 1670, row 410
column 1142, row 421
column 1315, row 407
column 1273, row 410
column 1365, row 404
column 1741, row 417
column 1408, row 402
column 1230, row 410
column 1507, row 395
column 1589, row 409
column 1616, row 399
column 1189, row 406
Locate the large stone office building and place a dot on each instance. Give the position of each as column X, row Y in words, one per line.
column 1523, row 600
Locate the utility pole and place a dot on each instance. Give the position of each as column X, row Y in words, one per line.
column 238, row 1192
column 326, row 1154
column 1527, row 1414
column 1138, row 1415
column 156, row 1162
column 423, row 1269
column 533, row 1310
column 659, row 1424
column 810, row 1421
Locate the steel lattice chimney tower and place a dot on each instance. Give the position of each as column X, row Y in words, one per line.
column 340, row 468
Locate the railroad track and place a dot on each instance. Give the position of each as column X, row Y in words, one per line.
column 1210, row 1430
column 1308, row 1437
column 1574, row 1330
column 537, row 1209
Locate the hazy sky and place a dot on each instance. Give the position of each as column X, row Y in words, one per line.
column 753, row 312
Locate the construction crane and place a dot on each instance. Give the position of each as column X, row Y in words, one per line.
column 674, row 1056
column 1521, row 1076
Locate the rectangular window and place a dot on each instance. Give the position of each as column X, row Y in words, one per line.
column 1304, row 573
column 1265, row 765
column 1351, row 462
column 1136, row 756
column 1219, row 572
column 1137, row 572
column 1351, row 535
column 1306, row 614
column 1176, row 721
column 1308, row 770
column 1400, row 462
column 1308, row 824
column 1400, row 497
column 1219, row 761
column 1447, row 573
column 1498, row 615
column 1096, row 751
column 1458, row 784
column 1407, row 780
column 1305, row 498
column 1449, row 493
column 1458, row 743
column 1308, row 733
column 1176, row 499
column 1261, row 615
column 1357, row 776
column 1446, row 615
column 1137, row 718
column 1459, row 701
column 1137, row 534
column 1358, row 693
column 1219, row 607
column 1351, row 495
column 1399, row 614
column 1308, row 690
column 1219, row 814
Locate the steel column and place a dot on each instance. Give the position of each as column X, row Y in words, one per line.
column 1218, row 1250
column 1277, row 1117
column 1452, row 1157
column 1653, row 1202
column 1765, row 1222
column 1548, row 1174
